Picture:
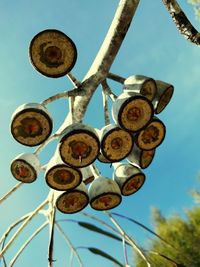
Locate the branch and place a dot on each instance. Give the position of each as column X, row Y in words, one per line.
column 10, row 192
column 182, row 22
column 39, row 229
column 105, row 107
column 28, row 219
column 116, row 78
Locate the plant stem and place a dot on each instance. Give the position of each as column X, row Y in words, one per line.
column 17, row 186
column 116, row 78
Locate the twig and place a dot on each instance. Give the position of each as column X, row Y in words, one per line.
column 182, row 22
column 124, row 249
column 133, row 244
column 105, row 107
column 71, row 108
column 73, row 80
column 10, row 192
column 116, row 78
column 45, row 143
column 52, row 214
column 39, row 229
column 30, row 217
column 69, row 243
column 108, row 90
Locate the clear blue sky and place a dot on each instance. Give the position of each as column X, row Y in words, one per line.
column 152, row 47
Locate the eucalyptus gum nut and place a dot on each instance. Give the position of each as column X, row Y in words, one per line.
column 129, row 178
column 52, row 53
column 116, row 143
column 132, row 112
column 72, row 201
column 144, row 85
column 25, row 167
column 104, row 194
column 31, row 124
column 79, row 145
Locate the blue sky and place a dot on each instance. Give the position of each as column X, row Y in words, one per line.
column 152, row 47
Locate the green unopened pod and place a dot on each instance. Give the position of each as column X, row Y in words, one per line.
column 163, row 96
column 129, row 178
column 104, row 194
column 151, row 136
column 79, row 145
column 132, row 111
column 31, row 124
column 72, row 201
column 116, row 143
column 87, row 175
column 60, row 176
column 25, row 167
column 52, row 53
column 141, row 158
column 143, row 85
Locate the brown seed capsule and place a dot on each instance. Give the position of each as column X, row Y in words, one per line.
column 152, row 136
column 52, row 53
column 31, row 124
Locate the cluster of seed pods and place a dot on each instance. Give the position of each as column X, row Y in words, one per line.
column 128, row 144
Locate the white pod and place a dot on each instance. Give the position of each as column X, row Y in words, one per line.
column 129, row 178
column 141, row 158
column 132, row 111
column 31, row 124
column 25, row 167
column 143, row 85
column 152, row 136
column 163, row 96
column 87, row 175
column 104, row 194
column 116, row 143
column 60, row 176
column 72, row 201
column 79, row 145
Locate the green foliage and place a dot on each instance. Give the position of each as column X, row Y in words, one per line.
column 183, row 235
column 196, row 4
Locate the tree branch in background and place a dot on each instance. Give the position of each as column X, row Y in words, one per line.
column 182, row 22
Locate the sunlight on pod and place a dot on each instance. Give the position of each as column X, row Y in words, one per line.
column 31, row 124
column 163, row 96
column 79, row 145
column 132, row 111
column 141, row 158
column 141, row 84
column 25, row 167
column 115, row 142
column 129, row 178
column 104, row 194
column 152, row 136
column 60, row 176
column 52, row 53
column 72, row 201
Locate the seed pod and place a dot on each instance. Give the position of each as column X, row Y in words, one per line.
column 115, row 142
column 163, row 96
column 152, row 136
column 129, row 178
column 132, row 112
column 25, row 167
column 104, row 194
column 141, row 158
column 59, row 176
column 79, row 145
column 87, row 175
column 31, row 124
column 72, row 201
column 141, row 84
column 52, row 53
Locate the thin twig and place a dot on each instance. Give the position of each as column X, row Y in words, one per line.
column 17, row 186
column 45, row 143
column 39, row 229
column 132, row 242
column 125, row 251
column 73, row 79
column 28, row 219
column 105, row 107
column 108, row 90
column 52, row 214
column 69, row 243
column 116, row 78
